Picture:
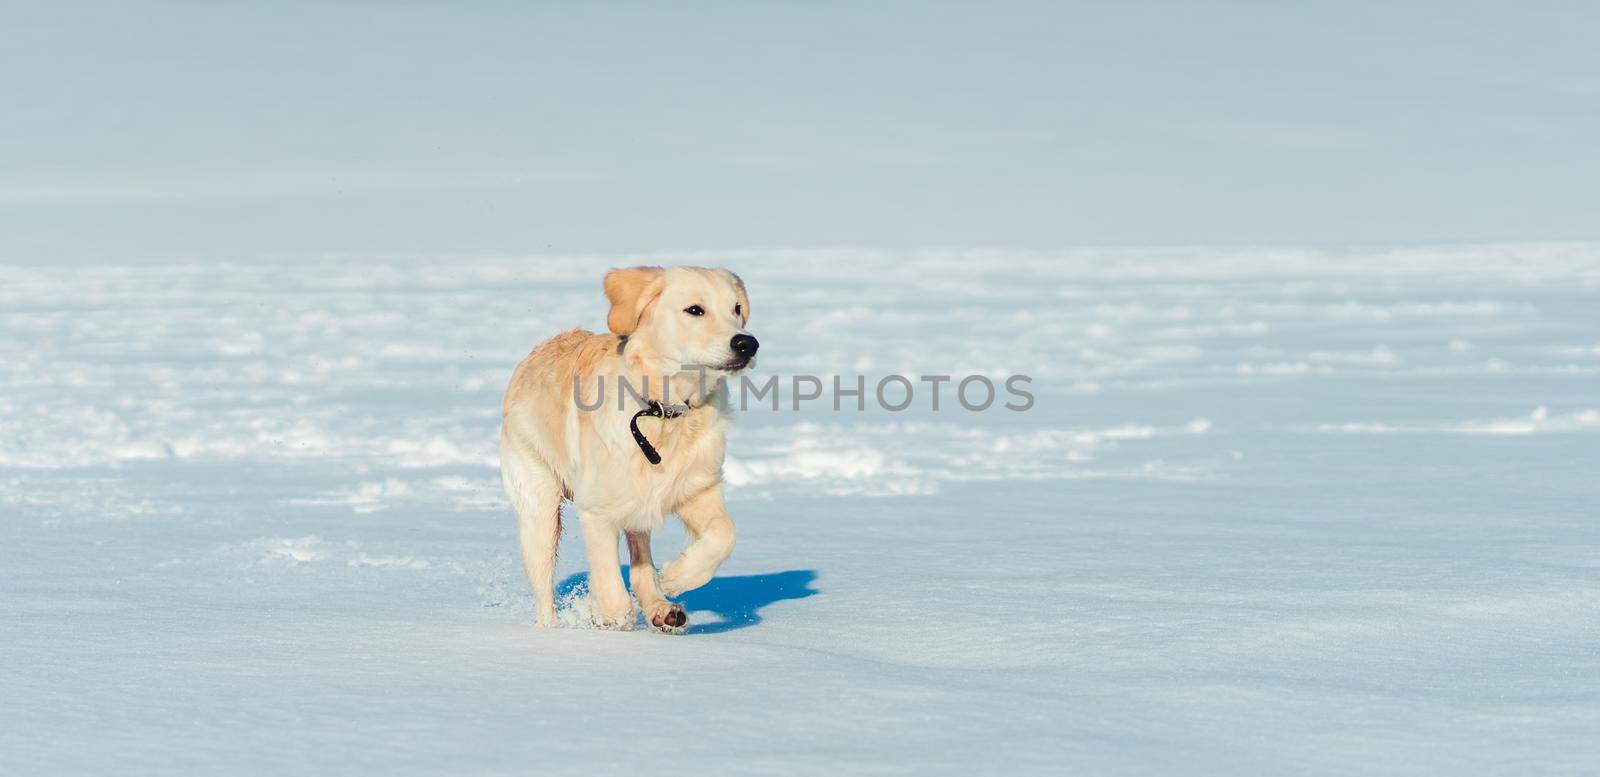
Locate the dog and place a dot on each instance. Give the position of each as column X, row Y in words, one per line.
column 629, row 426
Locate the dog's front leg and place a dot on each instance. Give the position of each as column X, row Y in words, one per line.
column 707, row 522
column 607, row 596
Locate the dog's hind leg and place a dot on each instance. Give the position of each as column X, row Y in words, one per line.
column 660, row 613
column 535, row 494
column 706, row 520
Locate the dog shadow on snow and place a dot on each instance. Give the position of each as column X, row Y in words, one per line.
column 735, row 599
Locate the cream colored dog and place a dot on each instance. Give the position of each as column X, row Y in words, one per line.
column 568, row 432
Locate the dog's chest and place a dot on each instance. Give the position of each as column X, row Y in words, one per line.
column 691, row 459
column 636, row 494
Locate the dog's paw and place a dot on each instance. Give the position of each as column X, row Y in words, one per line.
column 674, row 580
column 668, row 617
column 613, row 624
column 624, row 620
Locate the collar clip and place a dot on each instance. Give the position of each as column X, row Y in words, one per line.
column 653, row 410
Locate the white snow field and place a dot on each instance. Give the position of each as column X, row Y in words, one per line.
column 1273, row 512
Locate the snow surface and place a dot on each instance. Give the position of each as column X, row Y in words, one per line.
column 1275, row 511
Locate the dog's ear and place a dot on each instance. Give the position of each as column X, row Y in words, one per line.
column 744, row 298
column 631, row 290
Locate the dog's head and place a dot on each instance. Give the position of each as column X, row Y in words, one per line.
column 691, row 315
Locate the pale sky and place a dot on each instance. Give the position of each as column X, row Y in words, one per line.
column 197, row 131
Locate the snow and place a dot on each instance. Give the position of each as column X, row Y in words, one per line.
column 1273, row 511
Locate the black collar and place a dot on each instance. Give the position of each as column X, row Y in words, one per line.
column 654, row 410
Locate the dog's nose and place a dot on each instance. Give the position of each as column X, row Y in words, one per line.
column 744, row 345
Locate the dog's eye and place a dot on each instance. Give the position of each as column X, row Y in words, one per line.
column 695, row 310
column 738, row 310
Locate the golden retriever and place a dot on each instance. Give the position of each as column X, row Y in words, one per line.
column 573, row 429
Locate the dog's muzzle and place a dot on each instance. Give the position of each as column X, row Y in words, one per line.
column 744, row 346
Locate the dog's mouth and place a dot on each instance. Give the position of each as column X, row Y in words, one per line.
column 735, row 364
